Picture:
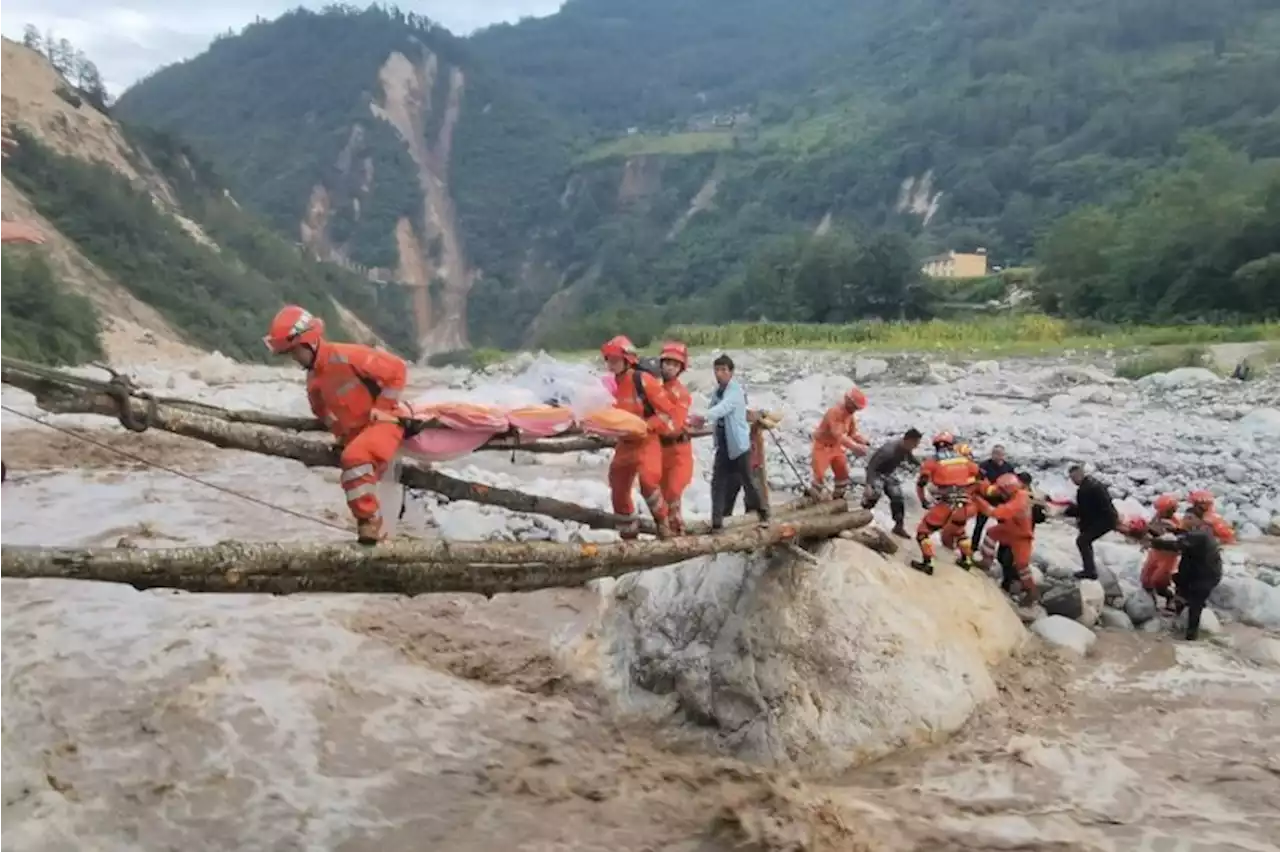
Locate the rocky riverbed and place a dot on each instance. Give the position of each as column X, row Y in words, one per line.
column 729, row 703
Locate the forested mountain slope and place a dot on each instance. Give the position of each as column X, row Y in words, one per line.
column 142, row 238
column 635, row 162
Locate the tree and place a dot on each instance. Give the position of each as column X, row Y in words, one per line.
column 31, row 38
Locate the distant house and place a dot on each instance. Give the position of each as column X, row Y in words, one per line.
column 956, row 264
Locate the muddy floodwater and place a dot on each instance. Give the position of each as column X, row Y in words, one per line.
column 163, row 720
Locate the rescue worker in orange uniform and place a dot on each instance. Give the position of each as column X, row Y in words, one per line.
column 952, row 478
column 644, row 396
column 677, row 449
column 355, row 391
column 1159, row 566
column 1015, row 529
column 1201, row 501
column 836, row 435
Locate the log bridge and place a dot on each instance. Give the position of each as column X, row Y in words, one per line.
column 403, row 566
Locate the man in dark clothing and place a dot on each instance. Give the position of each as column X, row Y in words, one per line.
column 881, row 479
column 992, row 469
column 1095, row 514
column 1199, row 569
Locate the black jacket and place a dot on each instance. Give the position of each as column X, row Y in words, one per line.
column 1093, row 507
column 1200, row 569
column 992, row 471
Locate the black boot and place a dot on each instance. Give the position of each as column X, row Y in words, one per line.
column 924, row 566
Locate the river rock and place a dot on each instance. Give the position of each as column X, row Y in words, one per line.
column 1260, row 423
column 1091, row 600
column 869, row 368
column 1235, row 472
column 1115, row 619
column 1263, row 650
column 1140, row 607
column 1181, row 378
column 1250, row 600
column 779, row 662
column 1065, row 633
column 1063, row 600
column 986, row 368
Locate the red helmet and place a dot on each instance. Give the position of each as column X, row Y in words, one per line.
column 1167, row 504
column 943, row 439
column 1008, row 483
column 293, row 327
column 678, row 352
column 1201, row 498
column 620, row 347
column 855, row 398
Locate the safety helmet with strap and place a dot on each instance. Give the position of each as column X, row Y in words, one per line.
column 293, row 327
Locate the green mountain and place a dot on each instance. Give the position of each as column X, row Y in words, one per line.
column 144, row 246
column 643, row 163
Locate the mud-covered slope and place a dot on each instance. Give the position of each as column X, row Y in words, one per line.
column 412, row 166
column 141, row 226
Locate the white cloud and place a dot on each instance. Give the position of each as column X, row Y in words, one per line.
column 128, row 40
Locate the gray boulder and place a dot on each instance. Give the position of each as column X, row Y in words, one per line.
column 1065, row 633
column 1140, row 608
column 1115, row 619
column 822, row 666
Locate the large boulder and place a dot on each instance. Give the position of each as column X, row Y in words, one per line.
column 817, row 666
column 869, row 368
column 1260, row 423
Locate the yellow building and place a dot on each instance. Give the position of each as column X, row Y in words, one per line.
column 956, row 264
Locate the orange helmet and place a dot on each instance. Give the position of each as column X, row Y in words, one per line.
column 293, row 327
column 678, row 352
column 620, row 347
column 1167, row 504
column 1201, row 498
column 856, row 398
column 944, row 439
column 1008, row 483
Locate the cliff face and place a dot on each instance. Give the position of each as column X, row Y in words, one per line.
column 168, row 260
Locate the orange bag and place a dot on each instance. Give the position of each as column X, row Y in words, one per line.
column 614, row 423
column 463, row 416
column 541, row 421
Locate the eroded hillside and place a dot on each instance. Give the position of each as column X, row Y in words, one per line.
column 140, row 226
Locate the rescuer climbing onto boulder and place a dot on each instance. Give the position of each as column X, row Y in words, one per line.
column 836, row 435
column 951, row 478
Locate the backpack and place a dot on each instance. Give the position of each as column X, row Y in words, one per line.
column 653, row 367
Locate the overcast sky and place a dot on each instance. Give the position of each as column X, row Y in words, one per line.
column 129, row 39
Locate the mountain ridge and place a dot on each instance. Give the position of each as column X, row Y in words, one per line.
column 583, row 140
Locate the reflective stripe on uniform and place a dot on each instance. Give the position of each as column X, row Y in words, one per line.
column 353, row 473
column 337, row 358
column 354, row 494
column 347, row 387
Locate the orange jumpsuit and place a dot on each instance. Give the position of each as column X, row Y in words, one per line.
column 641, row 457
column 952, row 477
column 677, row 454
column 1015, row 528
column 345, row 384
column 1160, row 565
column 836, row 434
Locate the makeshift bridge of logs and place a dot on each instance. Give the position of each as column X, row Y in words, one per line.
column 403, row 565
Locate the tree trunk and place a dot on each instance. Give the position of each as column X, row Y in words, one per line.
column 63, row 394
column 400, row 567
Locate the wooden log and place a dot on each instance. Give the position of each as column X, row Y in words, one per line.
column 399, row 567
column 53, row 393
column 62, row 388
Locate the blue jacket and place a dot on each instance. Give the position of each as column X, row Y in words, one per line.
column 732, row 409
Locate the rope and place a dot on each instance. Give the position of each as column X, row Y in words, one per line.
column 128, row 455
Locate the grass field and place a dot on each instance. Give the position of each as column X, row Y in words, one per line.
column 1023, row 334
column 670, row 144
